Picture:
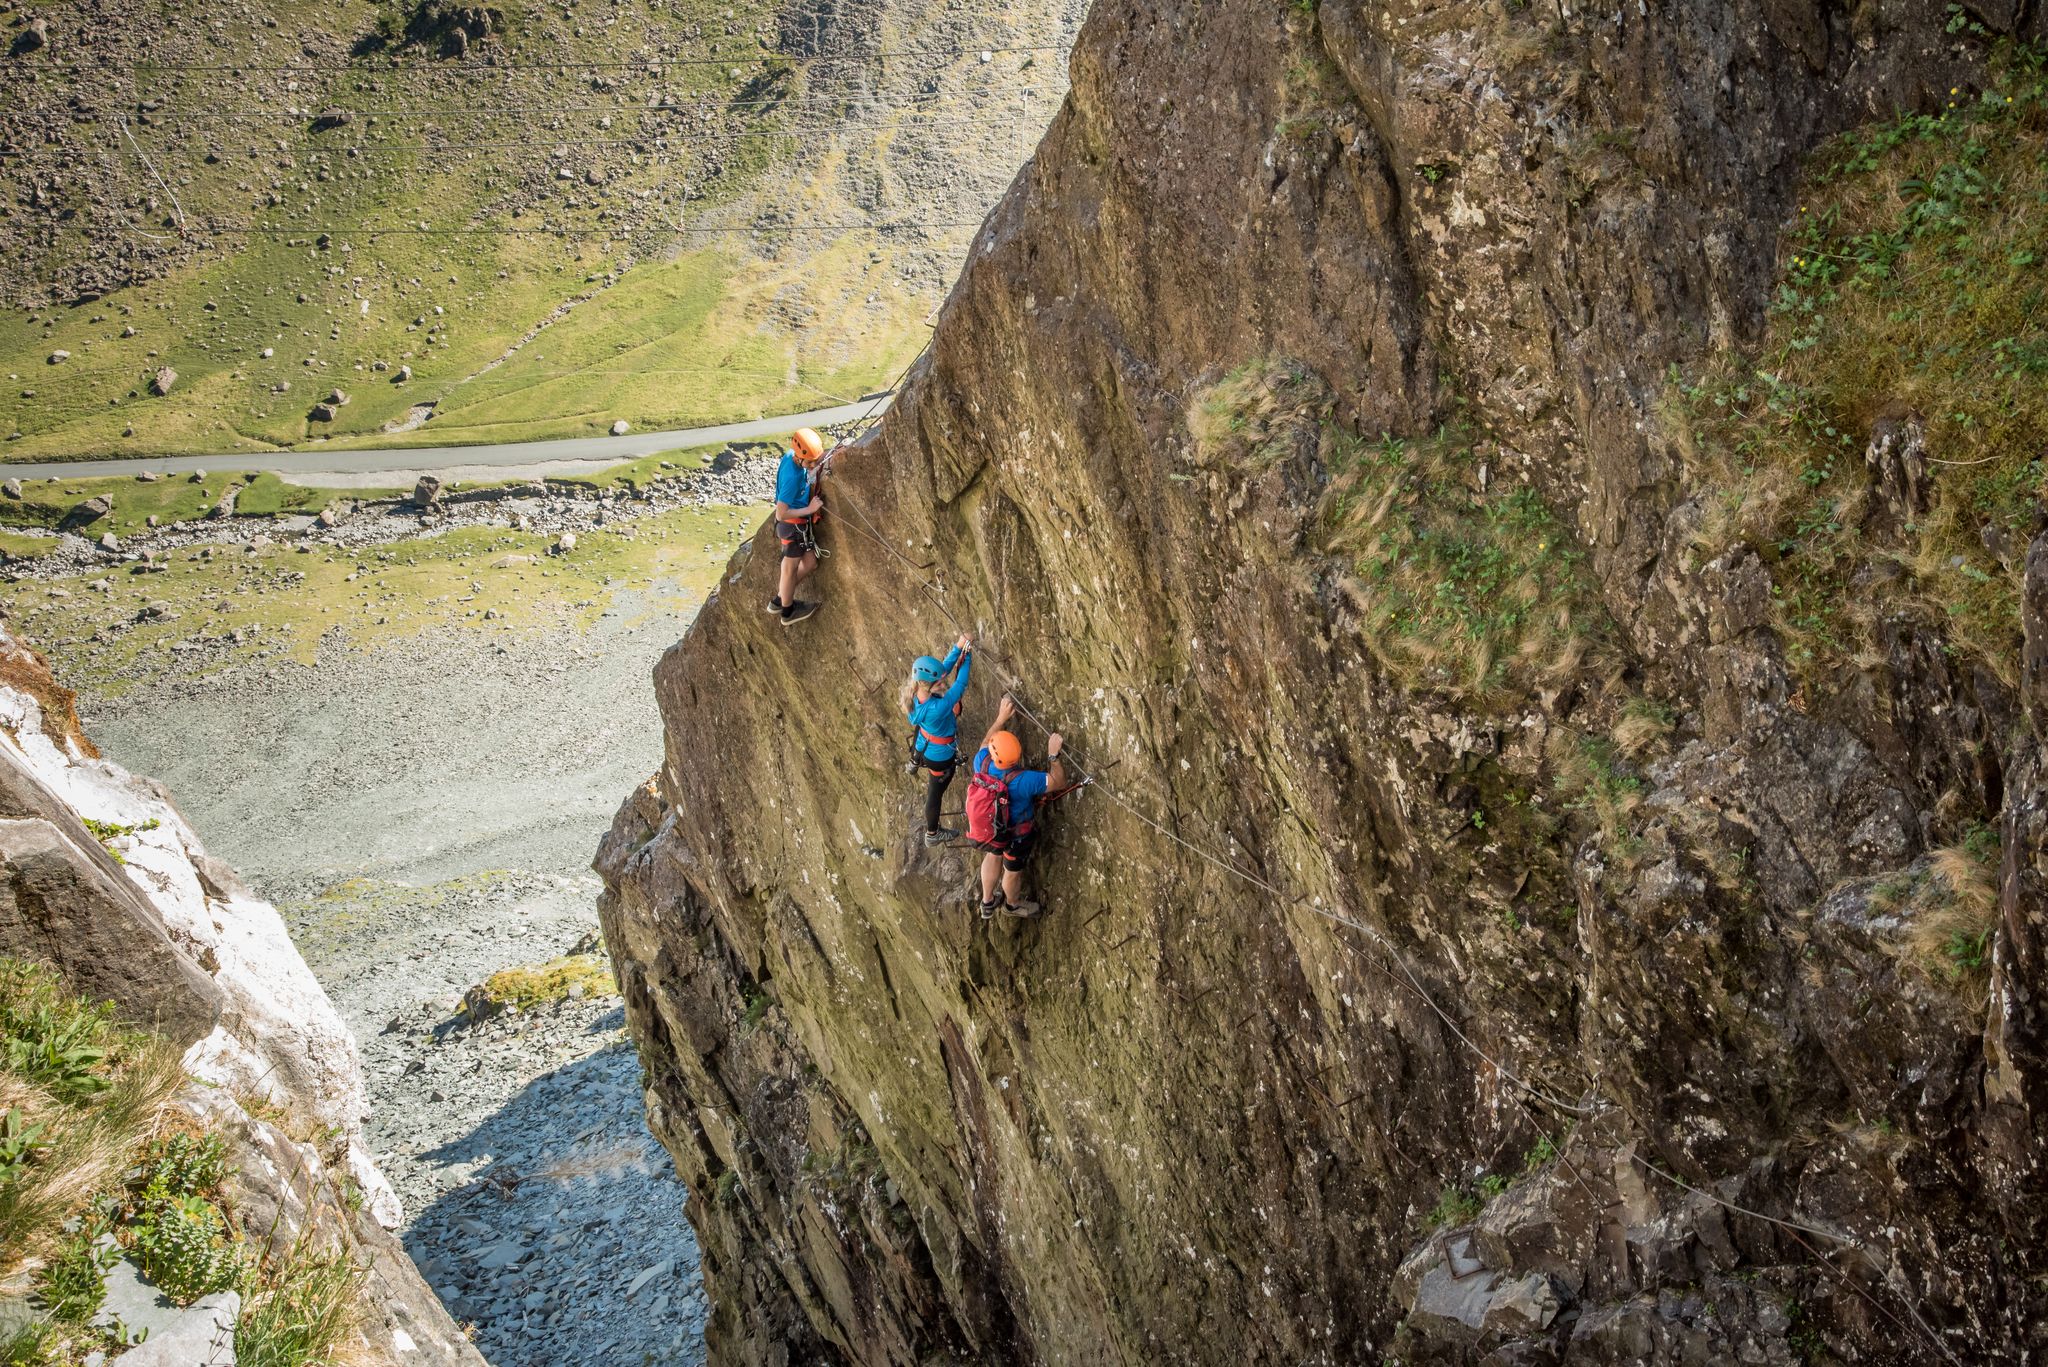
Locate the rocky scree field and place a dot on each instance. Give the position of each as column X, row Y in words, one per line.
column 431, row 705
column 1552, row 520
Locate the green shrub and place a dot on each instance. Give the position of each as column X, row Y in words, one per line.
column 59, row 1045
column 73, row 1284
column 107, row 832
column 1454, row 1206
column 78, row 1095
column 32, row 1345
column 182, row 1165
column 18, row 1142
column 180, row 1245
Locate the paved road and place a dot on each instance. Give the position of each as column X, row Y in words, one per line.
column 466, row 462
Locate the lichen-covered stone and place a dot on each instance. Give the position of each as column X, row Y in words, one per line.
column 1649, row 975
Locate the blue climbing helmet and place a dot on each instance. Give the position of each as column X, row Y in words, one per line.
column 927, row 669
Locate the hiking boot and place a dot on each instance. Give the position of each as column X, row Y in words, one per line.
column 1021, row 909
column 938, row 837
column 796, row 612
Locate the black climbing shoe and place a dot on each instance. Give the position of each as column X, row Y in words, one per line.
column 988, row 908
column 938, row 837
column 1021, row 909
column 796, row 612
column 775, row 603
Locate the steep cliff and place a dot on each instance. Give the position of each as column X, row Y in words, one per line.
column 1565, row 875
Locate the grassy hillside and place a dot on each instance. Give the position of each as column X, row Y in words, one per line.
column 512, row 192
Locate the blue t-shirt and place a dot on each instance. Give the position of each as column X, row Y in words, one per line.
column 940, row 713
column 1026, row 786
column 792, row 483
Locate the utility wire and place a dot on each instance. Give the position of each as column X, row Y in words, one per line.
column 374, row 230
column 144, row 158
column 495, row 111
column 380, row 148
column 304, row 114
column 755, row 58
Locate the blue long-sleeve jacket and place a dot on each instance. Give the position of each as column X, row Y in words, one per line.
column 937, row 718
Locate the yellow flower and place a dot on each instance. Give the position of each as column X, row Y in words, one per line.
column 1952, row 90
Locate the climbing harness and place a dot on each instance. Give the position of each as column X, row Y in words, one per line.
column 806, row 529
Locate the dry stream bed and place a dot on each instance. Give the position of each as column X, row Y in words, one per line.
column 409, row 732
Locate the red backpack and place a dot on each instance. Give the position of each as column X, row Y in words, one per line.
column 988, row 807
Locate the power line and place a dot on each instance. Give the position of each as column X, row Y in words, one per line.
column 646, row 140
column 489, row 68
column 458, row 145
column 809, row 94
column 373, row 230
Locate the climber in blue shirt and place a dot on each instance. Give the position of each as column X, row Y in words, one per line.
column 798, row 506
column 1002, row 799
column 935, row 719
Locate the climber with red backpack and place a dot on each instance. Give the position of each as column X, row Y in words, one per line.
column 935, row 726
column 1002, row 798
column 798, row 506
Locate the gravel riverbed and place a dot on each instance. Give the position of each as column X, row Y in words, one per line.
column 424, row 814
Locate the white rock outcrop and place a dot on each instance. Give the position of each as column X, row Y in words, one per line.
column 278, row 1036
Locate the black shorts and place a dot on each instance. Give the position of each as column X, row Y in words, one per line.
column 938, row 769
column 1017, row 848
column 797, row 539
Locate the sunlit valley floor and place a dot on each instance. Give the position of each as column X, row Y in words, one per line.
column 411, row 743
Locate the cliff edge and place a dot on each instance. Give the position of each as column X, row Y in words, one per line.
column 1564, row 877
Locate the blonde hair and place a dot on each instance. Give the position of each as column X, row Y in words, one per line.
column 908, row 698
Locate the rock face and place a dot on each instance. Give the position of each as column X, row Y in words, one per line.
column 1226, row 1102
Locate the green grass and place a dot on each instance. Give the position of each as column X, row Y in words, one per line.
column 638, row 474
column 92, row 1089
column 1466, row 584
column 1454, row 1206
column 522, row 988
column 175, row 498
column 686, row 343
column 111, row 1166
column 1461, row 581
column 672, row 340
column 485, row 578
column 299, row 1310
column 658, row 338
column 1915, row 279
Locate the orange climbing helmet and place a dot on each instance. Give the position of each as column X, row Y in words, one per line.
column 1004, row 750
column 809, row 446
